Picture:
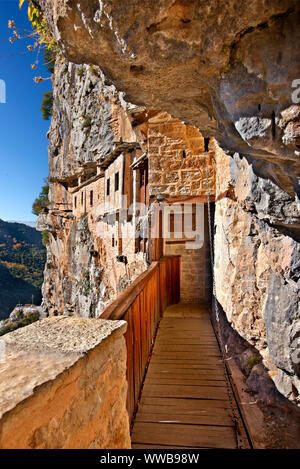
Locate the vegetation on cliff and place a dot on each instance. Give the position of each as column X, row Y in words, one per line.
column 9, row 326
column 43, row 44
column 47, row 104
column 41, row 34
column 40, row 205
column 42, row 201
column 22, row 261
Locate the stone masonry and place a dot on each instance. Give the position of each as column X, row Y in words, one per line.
column 63, row 385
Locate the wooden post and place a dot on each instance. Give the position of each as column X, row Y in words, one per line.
column 156, row 243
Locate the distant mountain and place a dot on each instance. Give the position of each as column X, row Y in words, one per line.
column 32, row 224
column 22, row 261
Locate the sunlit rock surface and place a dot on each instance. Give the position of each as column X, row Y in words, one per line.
column 229, row 68
column 226, row 67
column 257, row 267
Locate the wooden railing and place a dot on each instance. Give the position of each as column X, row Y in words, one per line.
column 142, row 305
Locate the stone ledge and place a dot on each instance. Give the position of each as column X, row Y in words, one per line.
column 37, row 354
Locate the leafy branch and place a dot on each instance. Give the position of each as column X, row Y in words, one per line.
column 41, row 37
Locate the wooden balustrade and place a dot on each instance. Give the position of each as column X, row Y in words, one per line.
column 142, row 305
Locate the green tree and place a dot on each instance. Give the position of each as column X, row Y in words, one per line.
column 49, row 59
column 42, row 201
column 47, row 105
column 45, row 238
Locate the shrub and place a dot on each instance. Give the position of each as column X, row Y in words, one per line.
column 49, row 59
column 12, row 326
column 47, row 105
column 252, row 361
column 42, row 201
column 87, row 122
column 45, row 238
column 81, row 72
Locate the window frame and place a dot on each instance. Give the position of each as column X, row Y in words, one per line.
column 117, row 181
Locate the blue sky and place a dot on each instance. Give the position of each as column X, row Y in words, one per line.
column 23, row 142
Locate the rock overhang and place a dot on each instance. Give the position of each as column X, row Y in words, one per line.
column 209, row 64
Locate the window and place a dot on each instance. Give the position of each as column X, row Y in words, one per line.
column 75, row 202
column 91, row 198
column 113, row 241
column 82, row 198
column 120, row 249
column 108, row 186
column 144, row 191
column 117, row 181
column 142, row 178
column 137, row 244
column 144, row 174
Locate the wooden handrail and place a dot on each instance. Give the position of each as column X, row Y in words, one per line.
column 118, row 308
column 142, row 305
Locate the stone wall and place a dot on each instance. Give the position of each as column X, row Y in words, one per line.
column 115, row 199
column 63, row 385
column 81, row 196
column 195, row 265
column 177, row 162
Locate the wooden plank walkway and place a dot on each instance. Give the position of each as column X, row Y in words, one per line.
column 185, row 402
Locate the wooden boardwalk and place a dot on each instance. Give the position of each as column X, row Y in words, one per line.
column 185, row 401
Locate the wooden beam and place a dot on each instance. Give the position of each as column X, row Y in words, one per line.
column 189, row 199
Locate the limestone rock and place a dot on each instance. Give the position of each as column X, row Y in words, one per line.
column 222, row 66
column 257, row 267
column 282, row 318
column 84, row 128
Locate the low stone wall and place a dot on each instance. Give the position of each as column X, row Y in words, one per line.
column 63, row 385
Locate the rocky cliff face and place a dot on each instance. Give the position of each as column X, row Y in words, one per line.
column 84, row 126
column 226, row 67
column 257, row 267
column 229, row 68
column 89, row 120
